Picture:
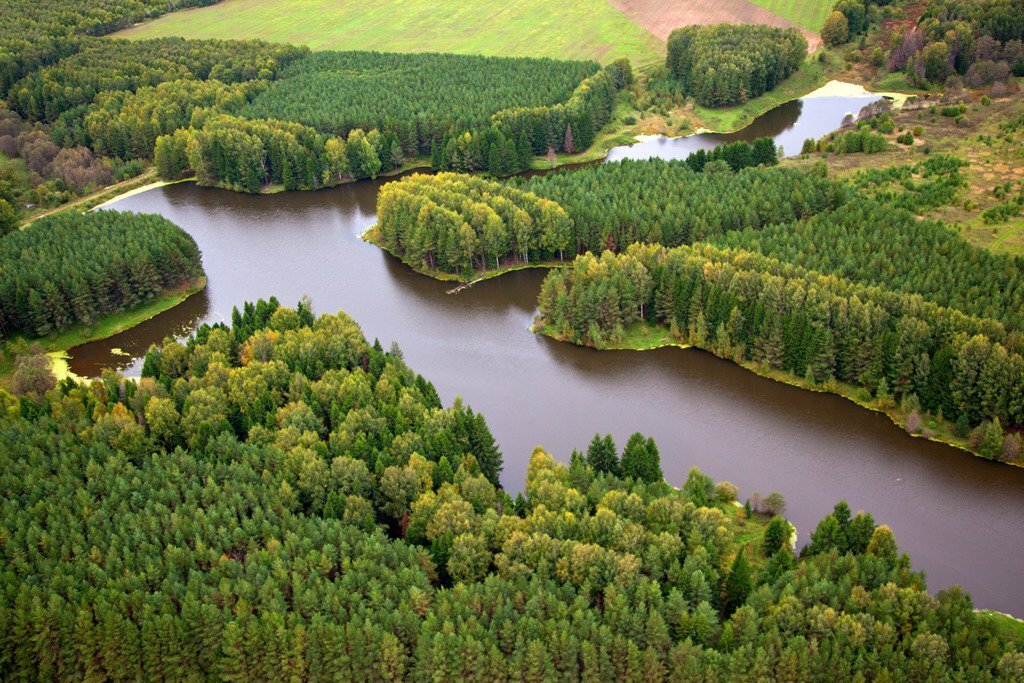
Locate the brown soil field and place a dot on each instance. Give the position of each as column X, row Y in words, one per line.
column 660, row 17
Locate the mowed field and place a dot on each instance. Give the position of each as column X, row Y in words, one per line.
column 807, row 14
column 568, row 29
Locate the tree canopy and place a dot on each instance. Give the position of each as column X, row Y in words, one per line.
column 282, row 499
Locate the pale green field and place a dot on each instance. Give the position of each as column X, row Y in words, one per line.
column 567, row 29
column 808, row 14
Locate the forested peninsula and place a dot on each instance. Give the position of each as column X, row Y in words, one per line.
column 283, row 499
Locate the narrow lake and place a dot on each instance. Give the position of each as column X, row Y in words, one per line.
column 960, row 518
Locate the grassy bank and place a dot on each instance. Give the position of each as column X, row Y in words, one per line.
column 811, row 76
column 57, row 345
column 100, row 197
column 644, row 337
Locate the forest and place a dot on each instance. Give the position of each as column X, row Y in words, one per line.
column 39, row 32
column 744, row 306
column 420, row 97
column 726, row 64
column 457, row 223
column 73, row 268
column 103, row 64
column 281, row 499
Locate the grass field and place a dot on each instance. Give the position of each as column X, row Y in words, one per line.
column 808, row 14
column 571, row 29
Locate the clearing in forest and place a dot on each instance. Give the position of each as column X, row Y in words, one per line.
column 661, row 17
column 569, row 29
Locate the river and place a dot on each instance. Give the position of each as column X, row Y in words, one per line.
column 960, row 518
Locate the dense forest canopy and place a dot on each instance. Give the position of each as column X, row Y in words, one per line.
column 282, row 499
column 726, row 64
column 103, row 64
column 457, row 223
column 72, row 268
column 668, row 202
column 421, row 97
column 39, row 32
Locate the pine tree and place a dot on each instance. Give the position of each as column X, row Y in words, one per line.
column 738, row 584
column 602, row 455
column 776, row 534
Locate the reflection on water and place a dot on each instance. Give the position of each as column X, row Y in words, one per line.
column 788, row 124
column 959, row 517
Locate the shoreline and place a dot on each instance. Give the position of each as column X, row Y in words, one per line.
column 370, row 236
column 832, row 387
column 58, row 347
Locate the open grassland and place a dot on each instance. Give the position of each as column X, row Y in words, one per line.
column 807, row 14
column 572, row 29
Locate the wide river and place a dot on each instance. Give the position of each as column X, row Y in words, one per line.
column 960, row 518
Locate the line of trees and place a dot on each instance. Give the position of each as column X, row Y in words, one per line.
column 725, row 64
column 456, row 223
column 72, row 268
column 746, row 306
column 284, row 500
column 247, row 155
column 882, row 241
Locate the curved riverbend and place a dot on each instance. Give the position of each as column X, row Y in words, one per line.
column 960, row 518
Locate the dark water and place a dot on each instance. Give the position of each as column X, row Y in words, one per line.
column 817, row 116
column 962, row 519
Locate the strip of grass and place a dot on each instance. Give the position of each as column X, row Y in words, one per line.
column 576, row 29
column 811, row 76
column 807, row 14
column 57, row 345
column 112, row 324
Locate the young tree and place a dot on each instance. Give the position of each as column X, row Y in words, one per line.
column 602, row 454
column 738, row 584
column 776, row 535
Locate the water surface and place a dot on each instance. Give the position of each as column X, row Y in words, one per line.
column 961, row 518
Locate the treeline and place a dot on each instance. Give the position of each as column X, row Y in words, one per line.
column 668, row 202
column 247, row 155
column 726, row 64
column 515, row 135
column 300, row 505
column 745, row 306
column 40, row 32
column 419, row 97
column 104, row 64
column 72, row 268
column 570, row 126
column 456, row 223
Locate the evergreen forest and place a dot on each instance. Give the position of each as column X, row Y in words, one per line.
column 281, row 499
column 73, row 268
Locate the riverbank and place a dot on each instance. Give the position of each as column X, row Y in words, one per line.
column 639, row 337
column 372, row 235
column 57, row 345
